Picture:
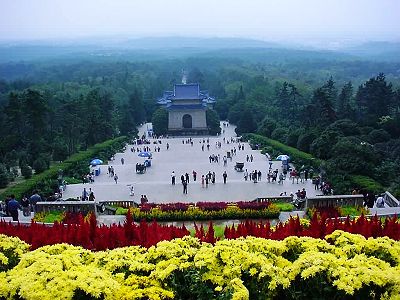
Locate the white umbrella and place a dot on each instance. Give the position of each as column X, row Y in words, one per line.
column 283, row 157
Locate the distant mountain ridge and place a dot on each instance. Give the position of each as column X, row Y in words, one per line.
column 174, row 47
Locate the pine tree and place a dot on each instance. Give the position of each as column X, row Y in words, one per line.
column 344, row 107
column 374, row 99
column 325, row 112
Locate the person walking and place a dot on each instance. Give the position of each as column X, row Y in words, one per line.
column 132, row 191
column 245, row 175
column 187, row 178
column 202, row 181
column 116, row 178
column 84, row 194
column 185, row 184
column 35, row 198
column 280, row 178
column 213, row 178
column 122, row 160
column 194, row 175
column 224, row 175
column 91, row 196
column 13, row 206
column 173, row 178
column 25, row 206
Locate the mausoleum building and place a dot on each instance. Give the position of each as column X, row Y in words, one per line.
column 186, row 106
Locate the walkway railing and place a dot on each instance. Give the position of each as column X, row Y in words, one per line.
column 335, row 200
column 68, row 206
column 107, row 206
column 390, row 200
column 274, row 199
column 120, row 203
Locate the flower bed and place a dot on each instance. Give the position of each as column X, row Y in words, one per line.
column 60, row 217
column 336, row 212
column 317, row 227
column 341, row 266
column 85, row 232
column 203, row 211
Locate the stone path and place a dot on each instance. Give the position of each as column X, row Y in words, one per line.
column 182, row 158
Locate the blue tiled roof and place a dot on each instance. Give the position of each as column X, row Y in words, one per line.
column 187, row 91
column 185, row 106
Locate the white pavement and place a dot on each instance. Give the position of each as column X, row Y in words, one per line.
column 182, row 158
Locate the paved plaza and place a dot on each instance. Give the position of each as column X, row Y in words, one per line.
column 182, row 158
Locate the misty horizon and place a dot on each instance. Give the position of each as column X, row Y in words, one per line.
column 312, row 23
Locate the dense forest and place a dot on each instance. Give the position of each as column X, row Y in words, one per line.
column 340, row 108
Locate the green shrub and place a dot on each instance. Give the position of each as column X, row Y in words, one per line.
column 40, row 165
column 342, row 183
column 50, row 217
column 197, row 214
column 353, row 211
column 26, row 171
column 72, row 180
column 46, row 181
column 298, row 157
column 365, row 183
column 4, row 177
column 284, row 206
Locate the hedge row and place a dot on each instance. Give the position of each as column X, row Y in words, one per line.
column 43, row 180
column 302, row 158
column 196, row 214
column 297, row 156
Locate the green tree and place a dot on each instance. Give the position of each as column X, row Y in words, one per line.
column 60, row 149
column 344, row 127
column 135, row 106
column 293, row 136
column 246, row 122
column 127, row 124
column 213, row 122
column 160, row 121
column 325, row 112
column 305, row 140
column 293, row 103
column 374, row 99
column 99, row 111
column 351, row 155
column 71, row 113
column 236, row 112
column 280, row 134
column 321, row 147
column 26, row 171
column 266, row 127
column 4, row 176
column 344, row 103
column 39, row 165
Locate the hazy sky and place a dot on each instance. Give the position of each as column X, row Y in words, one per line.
column 263, row 19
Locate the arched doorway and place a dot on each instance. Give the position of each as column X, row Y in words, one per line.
column 187, row 121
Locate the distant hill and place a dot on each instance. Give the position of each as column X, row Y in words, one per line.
column 201, row 43
column 141, row 49
column 384, row 51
